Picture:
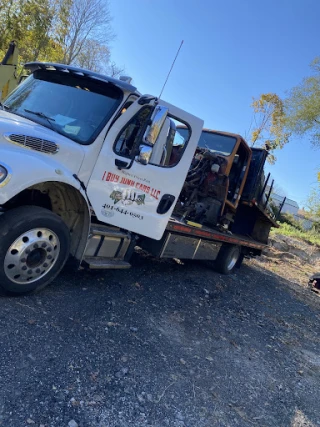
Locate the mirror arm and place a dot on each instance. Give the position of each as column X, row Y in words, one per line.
column 146, row 99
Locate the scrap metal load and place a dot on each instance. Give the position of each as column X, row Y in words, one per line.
column 225, row 187
column 205, row 189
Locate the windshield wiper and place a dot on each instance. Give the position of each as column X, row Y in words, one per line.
column 42, row 115
column 4, row 107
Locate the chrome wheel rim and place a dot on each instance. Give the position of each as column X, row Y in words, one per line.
column 31, row 256
column 233, row 260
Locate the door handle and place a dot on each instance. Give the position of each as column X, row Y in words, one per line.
column 121, row 164
column 165, row 203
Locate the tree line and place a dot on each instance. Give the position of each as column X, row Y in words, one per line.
column 77, row 32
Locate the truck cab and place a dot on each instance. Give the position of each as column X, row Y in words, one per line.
column 79, row 147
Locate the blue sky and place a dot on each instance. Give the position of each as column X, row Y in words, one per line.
column 233, row 51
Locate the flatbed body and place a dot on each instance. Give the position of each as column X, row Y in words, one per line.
column 180, row 227
column 184, row 241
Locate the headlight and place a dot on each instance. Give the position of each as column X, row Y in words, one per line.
column 3, row 173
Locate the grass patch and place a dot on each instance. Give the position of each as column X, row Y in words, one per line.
column 286, row 229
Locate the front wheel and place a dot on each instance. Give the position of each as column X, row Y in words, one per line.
column 227, row 258
column 34, row 246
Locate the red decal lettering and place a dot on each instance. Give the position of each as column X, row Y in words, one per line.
column 143, row 187
column 112, row 177
column 127, row 181
column 155, row 193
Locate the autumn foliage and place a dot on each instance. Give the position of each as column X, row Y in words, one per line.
column 269, row 123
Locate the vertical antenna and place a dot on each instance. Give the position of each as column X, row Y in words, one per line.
column 171, row 69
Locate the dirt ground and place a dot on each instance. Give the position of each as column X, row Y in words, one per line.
column 163, row 344
column 291, row 259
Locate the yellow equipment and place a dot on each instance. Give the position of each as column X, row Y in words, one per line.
column 8, row 71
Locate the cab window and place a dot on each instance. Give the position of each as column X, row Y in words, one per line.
column 127, row 141
column 169, row 146
column 171, row 143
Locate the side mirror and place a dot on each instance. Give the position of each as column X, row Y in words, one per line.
column 144, row 155
column 157, row 120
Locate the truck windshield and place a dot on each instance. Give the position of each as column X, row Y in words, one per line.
column 216, row 142
column 74, row 106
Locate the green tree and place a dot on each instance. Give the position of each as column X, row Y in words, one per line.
column 313, row 203
column 36, row 29
column 303, row 106
column 269, row 123
column 74, row 32
column 30, row 24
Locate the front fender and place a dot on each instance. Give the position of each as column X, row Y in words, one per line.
column 26, row 170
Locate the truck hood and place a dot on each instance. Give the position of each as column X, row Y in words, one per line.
column 26, row 136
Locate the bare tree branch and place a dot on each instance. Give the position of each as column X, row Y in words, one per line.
column 88, row 19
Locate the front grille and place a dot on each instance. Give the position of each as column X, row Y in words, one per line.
column 34, row 143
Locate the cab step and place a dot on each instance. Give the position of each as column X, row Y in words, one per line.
column 100, row 263
column 108, row 245
column 104, row 230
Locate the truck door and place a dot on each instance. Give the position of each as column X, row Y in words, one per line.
column 132, row 186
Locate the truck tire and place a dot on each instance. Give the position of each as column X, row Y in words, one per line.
column 227, row 258
column 34, row 246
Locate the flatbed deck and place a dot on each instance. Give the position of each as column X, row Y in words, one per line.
column 177, row 226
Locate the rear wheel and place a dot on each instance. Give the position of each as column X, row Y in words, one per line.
column 227, row 258
column 34, row 246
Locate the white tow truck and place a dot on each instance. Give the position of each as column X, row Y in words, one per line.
column 90, row 168
column 83, row 172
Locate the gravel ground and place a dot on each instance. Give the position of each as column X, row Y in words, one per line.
column 162, row 344
column 290, row 258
